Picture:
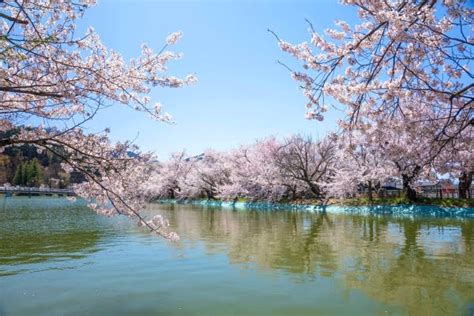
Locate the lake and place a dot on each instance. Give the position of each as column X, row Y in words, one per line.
column 58, row 258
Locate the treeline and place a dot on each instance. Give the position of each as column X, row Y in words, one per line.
column 25, row 165
column 302, row 168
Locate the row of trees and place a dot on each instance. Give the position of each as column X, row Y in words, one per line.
column 299, row 167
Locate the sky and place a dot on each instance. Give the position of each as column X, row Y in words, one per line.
column 242, row 94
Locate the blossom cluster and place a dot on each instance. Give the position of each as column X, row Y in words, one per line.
column 405, row 61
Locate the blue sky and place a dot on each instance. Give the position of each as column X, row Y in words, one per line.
column 241, row 95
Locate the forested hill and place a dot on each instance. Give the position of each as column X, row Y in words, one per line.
column 26, row 166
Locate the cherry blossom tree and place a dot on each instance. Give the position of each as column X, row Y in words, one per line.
column 56, row 81
column 183, row 177
column 408, row 148
column 404, row 70
column 358, row 163
column 213, row 172
column 306, row 161
column 166, row 179
column 207, row 173
column 254, row 174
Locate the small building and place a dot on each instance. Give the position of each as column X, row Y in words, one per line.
column 437, row 189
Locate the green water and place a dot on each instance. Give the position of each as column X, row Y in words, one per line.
column 61, row 259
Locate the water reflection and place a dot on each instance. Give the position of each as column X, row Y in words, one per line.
column 420, row 266
column 423, row 264
column 430, row 271
column 53, row 230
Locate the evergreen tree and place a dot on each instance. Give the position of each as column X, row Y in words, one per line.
column 27, row 174
column 19, row 175
column 35, row 174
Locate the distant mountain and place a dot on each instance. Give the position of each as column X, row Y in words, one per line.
column 195, row 158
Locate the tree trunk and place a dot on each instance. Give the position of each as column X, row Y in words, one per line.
column 370, row 191
column 292, row 191
column 407, row 189
column 314, row 189
column 465, row 184
column 293, row 194
column 209, row 194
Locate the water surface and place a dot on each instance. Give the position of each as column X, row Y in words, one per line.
column 57, row 258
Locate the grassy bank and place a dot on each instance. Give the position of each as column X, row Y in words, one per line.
column 447, row 202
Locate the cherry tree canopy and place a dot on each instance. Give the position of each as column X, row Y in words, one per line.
column 405, row 60
column 254, row 174
column 268, row 170
column 54, row 81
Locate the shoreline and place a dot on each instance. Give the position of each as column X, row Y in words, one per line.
column 381, row 209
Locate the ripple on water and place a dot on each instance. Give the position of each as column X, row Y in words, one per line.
column 63, row 257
